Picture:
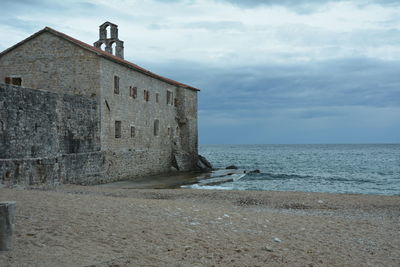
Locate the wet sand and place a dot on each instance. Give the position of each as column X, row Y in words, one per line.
column 109, row 226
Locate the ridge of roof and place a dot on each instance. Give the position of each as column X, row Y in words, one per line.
column 100, row 53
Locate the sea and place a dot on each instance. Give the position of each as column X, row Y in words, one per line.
column 347, row 168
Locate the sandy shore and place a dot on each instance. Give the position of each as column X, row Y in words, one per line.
column 99, row 226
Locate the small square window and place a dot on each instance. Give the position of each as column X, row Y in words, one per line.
column 16, row 81
column 116, row 85
column 13, row 80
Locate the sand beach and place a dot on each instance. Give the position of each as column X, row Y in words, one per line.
column 73, row 225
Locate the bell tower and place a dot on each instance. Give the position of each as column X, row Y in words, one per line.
column 111, row 39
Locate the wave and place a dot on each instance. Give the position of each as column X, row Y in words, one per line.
column 275, row 176
column 213, row 187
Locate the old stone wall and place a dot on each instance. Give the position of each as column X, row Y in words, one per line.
column 140, row 112
column 70, row 135
column 137, row 111
column 51, row 63
column 47, row 137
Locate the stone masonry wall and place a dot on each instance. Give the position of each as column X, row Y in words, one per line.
column 48, row 137
column 51, row 63
column 69, row 135
column 145, row 152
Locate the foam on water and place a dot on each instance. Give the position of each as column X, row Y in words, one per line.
column 366, row 169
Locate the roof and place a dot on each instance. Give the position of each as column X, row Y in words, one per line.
column 100, row 53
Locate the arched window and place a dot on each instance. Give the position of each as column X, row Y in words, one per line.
column 107, row 29
column 112, row 48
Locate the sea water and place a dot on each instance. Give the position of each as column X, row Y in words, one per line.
column 361, row 169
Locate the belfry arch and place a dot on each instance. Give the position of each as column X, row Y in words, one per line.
column 110, row 40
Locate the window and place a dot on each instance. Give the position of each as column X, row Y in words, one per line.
column 132, row 91
column 156, row 127
column 157, row 97
column 133, row 131
column 175, row 102
column 117, row 129
column 169, row 98
column 169, row 131
column 146, row 95
column 13, row 80
column 116, row 85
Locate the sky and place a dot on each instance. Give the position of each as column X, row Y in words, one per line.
column 270, row 71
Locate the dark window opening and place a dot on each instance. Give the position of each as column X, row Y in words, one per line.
column 157, row 97
column 156, row 127
column 13, row 80
column 169, row 97
column 146, row 95
column 133, row 91
column 117, row 129
column 169, row 131
column 133, row 131
column 175, row 102
column 116, row 85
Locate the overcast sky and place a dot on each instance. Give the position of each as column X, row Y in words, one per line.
column 270, row 71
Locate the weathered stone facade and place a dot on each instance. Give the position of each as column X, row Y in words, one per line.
column 48, row 137
column 91, row 116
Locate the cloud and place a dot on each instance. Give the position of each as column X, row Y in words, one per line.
column 298, row 6
column 218, row 32
column 270, row 71
column 358, row 95
column 304, row 6
column 345, row 82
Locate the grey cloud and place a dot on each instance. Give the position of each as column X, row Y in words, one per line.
column 31, row 8
column 17, row 5
column 303, row 35
column 298, row 6
column 303, row 6
column 64, row 7
column 336, row 83
column 214, row 25
column 208, row 25
column 19, row 24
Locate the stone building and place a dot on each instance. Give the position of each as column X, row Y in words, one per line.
column 74, row 113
